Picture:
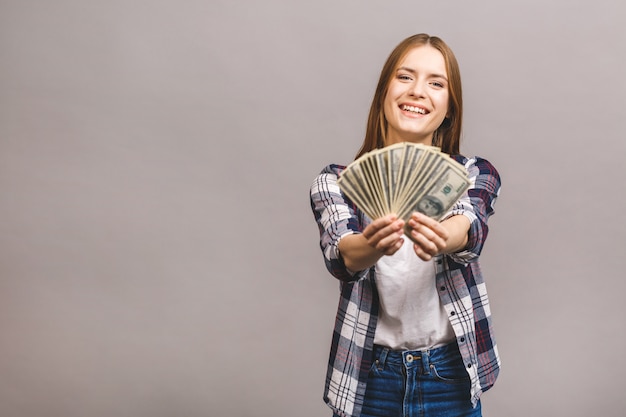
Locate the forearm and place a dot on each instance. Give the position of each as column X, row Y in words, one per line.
column 478, row 206
column 457, row 227
column 357, row 254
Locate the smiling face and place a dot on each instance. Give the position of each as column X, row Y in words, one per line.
column 416, row 102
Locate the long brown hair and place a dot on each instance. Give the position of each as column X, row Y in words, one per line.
column 448, row 134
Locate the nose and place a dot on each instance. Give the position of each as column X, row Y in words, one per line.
column 417, row 89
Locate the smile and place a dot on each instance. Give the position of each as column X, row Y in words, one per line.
column 413, row 109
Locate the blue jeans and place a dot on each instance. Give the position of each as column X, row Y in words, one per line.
column 419, row 384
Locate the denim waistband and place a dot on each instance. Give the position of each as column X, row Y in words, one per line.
column 384, row 355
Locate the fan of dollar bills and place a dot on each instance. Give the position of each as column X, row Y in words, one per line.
column 404, row 178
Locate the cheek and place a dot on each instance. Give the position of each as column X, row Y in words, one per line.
column 394, row 90
column 444, row 104
column 445, row 100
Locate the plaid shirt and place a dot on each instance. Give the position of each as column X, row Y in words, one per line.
column 459, row 280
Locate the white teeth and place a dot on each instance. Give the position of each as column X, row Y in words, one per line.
column 413, row 109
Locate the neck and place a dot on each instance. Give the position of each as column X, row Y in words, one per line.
column 424, row 140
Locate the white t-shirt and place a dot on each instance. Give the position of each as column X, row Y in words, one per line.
column 411, row 315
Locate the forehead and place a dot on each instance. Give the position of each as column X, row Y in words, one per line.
column 424, row 58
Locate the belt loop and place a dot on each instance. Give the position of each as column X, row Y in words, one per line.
column 380, row 362
column 426, row 362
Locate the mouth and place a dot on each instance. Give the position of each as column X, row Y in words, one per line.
column 413, row 109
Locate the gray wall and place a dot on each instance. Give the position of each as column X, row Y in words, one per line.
column 158, row 256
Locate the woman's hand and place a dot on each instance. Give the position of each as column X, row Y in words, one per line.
column 428, row 235
column 431, row 238
column 384, row 236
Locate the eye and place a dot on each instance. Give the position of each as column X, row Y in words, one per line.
column 437, row 84
column 404, row 77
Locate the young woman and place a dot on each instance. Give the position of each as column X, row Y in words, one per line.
column 413, row 332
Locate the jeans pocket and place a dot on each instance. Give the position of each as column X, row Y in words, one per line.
column 451, row 372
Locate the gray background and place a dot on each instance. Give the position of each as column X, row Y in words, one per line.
column 158, row 256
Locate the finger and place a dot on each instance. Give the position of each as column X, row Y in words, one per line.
column 421, row 254
column 432, row 247
column 388, row 237
column 427, row 237
column 394, row 230
column 378, row 225
column 394, row 247
column 426, row 225
column 418, row 218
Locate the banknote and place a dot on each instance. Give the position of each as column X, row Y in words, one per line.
column 404, row 178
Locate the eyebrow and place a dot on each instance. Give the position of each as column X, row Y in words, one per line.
column 412, row 71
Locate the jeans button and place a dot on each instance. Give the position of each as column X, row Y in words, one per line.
column 409, row 358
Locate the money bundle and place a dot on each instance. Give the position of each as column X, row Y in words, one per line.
column 404, row 178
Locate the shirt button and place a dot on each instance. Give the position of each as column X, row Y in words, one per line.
column 442, row 288
column 469, row 365
column 462, row 339
column 453, row 313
